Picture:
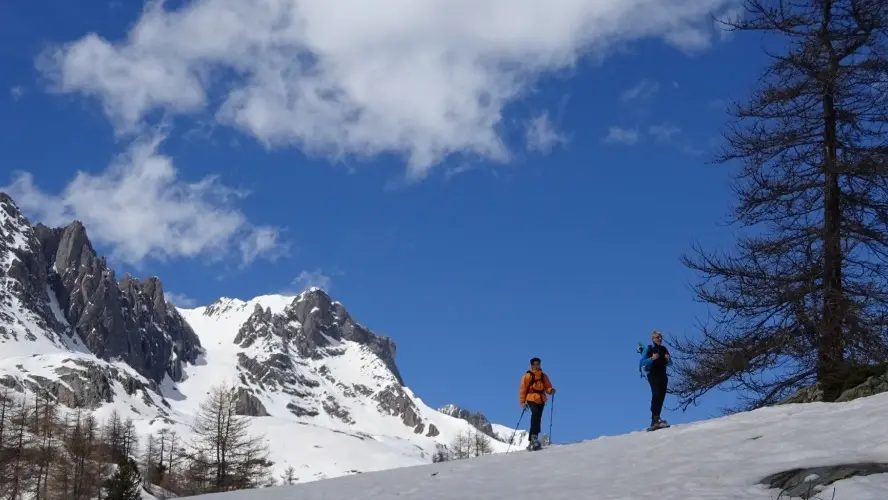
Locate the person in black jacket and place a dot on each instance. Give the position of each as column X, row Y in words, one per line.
column 654, row 360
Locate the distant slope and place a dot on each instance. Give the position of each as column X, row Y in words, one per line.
column 324, row 389
column 719, row 459
column 480, row 422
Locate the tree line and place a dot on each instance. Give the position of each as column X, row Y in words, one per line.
column 467, row 443
column 48, row 452
column 802, row 300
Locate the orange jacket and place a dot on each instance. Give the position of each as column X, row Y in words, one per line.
column 534, row 387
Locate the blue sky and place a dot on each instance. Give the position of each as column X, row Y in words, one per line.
column 480, row 192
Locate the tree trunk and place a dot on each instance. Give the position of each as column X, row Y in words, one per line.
column 829, row 360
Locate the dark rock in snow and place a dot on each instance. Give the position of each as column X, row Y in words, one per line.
column 394, row 401
column 311, row 328
column 857, row 382
column 85, row 384
column 808, row 482
column 478, row 420
column 249, row 405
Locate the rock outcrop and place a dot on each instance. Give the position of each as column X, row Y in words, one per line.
column 83, row 384
column 312, row 321
column 478, row 420
column 863, row 382
column 276, row 348
column 807, row 483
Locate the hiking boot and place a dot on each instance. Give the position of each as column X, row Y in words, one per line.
column 657, row 422
column 534, row 444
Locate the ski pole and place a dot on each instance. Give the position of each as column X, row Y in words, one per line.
column 551, row 418
column 516, row 429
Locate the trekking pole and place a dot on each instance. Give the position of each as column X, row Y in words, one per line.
column 516, row 429
column 551, row 418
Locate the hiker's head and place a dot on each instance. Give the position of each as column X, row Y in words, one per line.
column 535, row 363
column 657, row 337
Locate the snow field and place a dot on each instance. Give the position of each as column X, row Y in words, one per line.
column 719, row 459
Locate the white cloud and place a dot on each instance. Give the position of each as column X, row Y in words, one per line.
column 540, row 135
column 16, row 93
column 643, row 90
column 308, row 279
column 732, row 15
column 663, row 132
column 261, row 242
column 689, row 40
column 351, row 77
column 619, row 135
column 180, row 300
column 138, row 208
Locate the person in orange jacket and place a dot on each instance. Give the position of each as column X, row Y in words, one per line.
column 535, row 385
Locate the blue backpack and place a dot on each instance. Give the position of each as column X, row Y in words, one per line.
column 643, row 369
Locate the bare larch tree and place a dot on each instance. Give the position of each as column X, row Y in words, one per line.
column 804, row 297
column 223, row 451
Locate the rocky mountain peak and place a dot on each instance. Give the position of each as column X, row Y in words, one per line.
column 287, row 345
column 478, row 420
column 310, row 322
column 59, row 279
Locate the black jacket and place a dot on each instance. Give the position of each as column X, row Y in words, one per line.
column 655, row 367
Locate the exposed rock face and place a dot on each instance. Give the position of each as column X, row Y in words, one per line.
column 276, row 348
column 247, row 404
column 807, row 483
column 314, row 320
column 871, row 385
column 394, row 400
column 57, row 276
column 83, row 384
column 478, row 420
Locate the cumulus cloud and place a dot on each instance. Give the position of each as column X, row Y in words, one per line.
column 180, row 300
column 643, row 90
column 138, row 208
column 540, row 135
column 424, row 79
column 663, row 132
column 262, row 242
column 308, row 279
column 619, row 135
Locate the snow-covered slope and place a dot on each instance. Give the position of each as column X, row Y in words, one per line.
column 480, row 422
column 719, row 459
column 324, row 389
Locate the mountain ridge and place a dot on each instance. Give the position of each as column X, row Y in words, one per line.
column 302, row 365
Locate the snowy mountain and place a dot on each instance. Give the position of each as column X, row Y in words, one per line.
column 480, row 422
column 812, row 450
column 324, row 390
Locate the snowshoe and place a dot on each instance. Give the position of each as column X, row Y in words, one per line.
column 660, row 424
column 534, row 445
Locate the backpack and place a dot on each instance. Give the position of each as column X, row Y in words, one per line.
column 642, row 369
column 534, row 380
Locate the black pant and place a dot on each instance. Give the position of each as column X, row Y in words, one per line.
column 536, row 417
column 659, row 383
